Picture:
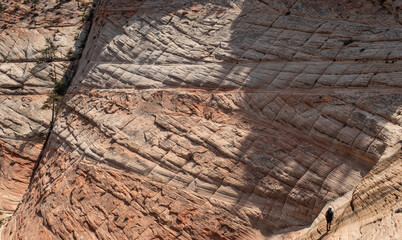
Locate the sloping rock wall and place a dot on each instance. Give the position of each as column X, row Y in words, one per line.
column 217, row 119
column 27, row 77
column 373, row 211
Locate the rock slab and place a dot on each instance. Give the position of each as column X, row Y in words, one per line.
column 217, row 120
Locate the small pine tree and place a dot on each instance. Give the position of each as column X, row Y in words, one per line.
column 52, row 102
column 49, row 53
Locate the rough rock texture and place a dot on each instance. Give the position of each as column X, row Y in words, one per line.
column 218, row 120
column 375, row 209
column 372, row 212
column 26, row 79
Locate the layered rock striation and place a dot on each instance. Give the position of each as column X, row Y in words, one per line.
column 218, row 120
column 374, row 212
column 27, row 77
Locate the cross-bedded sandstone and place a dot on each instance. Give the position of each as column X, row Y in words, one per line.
column 27, row 77
column 217, row 119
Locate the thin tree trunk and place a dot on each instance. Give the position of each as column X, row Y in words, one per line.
column 52, row 114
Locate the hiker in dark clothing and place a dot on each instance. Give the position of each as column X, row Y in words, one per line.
column 329, row 215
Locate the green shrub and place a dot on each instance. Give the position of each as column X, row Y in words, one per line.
column 87, row 15
column 70, row 54
column 60, row 88
column 49, row 53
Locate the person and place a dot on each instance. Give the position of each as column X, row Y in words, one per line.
column 329, row 215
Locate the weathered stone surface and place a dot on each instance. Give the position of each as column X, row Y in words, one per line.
column 26, row 79
column 371, row 212
column 218, row 120
column 22, row 133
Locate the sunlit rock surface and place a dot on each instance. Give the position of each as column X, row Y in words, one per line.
column 26, row 79
column 219, row 120
column 373, row 211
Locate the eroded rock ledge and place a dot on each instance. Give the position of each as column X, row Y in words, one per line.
column 217, row 119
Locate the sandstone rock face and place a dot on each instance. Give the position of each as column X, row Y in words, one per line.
column 26, row 79
column 219, row 120
column 373, row 211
